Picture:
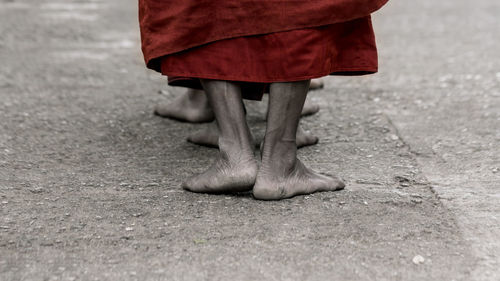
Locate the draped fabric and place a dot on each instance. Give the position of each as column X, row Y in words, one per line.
column 345, row 48
column 168, row 26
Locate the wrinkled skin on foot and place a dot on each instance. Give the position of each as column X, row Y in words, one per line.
column 281, row 174
column 298, row 180
column 234, row 171
column 209, row 137
column 190, row 107
column 224, row 176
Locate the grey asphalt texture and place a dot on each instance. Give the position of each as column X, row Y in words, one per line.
column 90, row 178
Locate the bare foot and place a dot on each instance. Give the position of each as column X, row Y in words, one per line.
column 288, row 177
column 231, row 172
column 316, row 84
column 309, row 108
column 305, row 138
column 208, row 136
column 299, row 181
column 189, row 107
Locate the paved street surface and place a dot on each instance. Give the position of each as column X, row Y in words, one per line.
column 89, row 177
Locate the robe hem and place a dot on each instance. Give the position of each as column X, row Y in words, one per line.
column 338, row 72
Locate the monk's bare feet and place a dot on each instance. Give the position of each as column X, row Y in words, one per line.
column 189, row 107
column 234, row 171
column 282, row 175
column 305, row 138
column 316, row 84
column 309, row 108
column 208, row 136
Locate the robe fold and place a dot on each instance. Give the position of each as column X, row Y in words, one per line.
column 169, row 27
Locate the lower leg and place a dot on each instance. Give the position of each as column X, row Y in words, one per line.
column 281, row 174
column 193, row 106
column 209, row 137
column 311, row 108
column 235, row 169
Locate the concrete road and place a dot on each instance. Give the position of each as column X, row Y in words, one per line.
column 89, row 178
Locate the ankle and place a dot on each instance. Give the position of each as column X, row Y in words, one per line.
column 231, row 149
column 280, row 154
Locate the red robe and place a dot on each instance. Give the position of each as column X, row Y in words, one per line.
column 169, row 27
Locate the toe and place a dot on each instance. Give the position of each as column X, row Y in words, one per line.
column 310, row 109
column 203, row 141
column 187, row 185
column 332, row 182
column 336, row 183
column 339, row 184
column 193, row 184
column 161, row 110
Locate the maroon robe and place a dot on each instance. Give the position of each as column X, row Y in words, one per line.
column 169, row 27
